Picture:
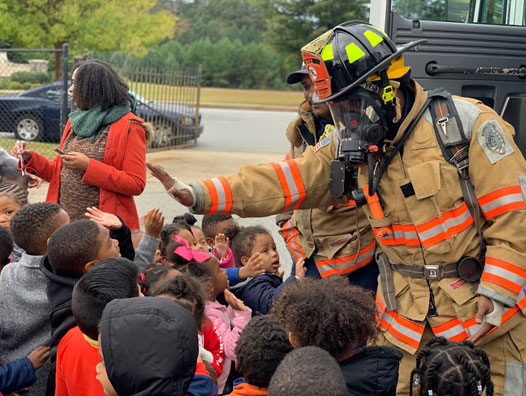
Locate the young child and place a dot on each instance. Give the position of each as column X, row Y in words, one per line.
column 12, row 197
column 6, row 247
column 24, row 306
column 168, row 232
column 230, row 321
column 261, row 347
column 452, row 368
column 186, row 290
column 72, row 251
column 22, row 372
column 219, row 230
column 134, row 365
column 199, row 237
column 77, row 353
column 341, row 320
column 256, row 245
column 155, row 277
column 308, row 371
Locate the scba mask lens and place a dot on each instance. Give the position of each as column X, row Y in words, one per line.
column 360, row 122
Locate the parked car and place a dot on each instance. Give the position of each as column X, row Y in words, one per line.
column 35, row 115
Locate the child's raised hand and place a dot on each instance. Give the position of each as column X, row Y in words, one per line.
column 221, row 244
column 153, row 223
column 39, row 356
column 300, row 268
column 252, row 268
column 105, row 219
column 235, row 302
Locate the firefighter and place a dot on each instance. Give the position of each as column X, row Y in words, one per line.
column 443, row 186
column 326, row 237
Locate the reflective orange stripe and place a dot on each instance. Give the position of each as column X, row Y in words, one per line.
column 220, row 195
column 452, row 330
column 287, row 157
column 291, row 239
column 291, row 183
column 399, row 327
column 213, row 196
column 504, row 274
column 510, row 312
column 431, row 232
column 501, row 201
column 344, row 265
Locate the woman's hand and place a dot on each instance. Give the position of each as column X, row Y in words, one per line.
column 77, row 161
column 21, row 148
column 33, row 181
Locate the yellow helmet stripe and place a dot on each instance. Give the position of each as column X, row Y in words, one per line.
column 354, row 52
column 373, row 38
column 327, row 53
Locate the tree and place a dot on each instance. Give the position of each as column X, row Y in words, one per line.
column 126, row 25
column 290, row 24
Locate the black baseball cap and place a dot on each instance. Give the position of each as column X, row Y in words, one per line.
column 296, row 76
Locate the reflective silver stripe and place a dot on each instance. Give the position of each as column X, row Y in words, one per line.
column 504, row 273
column 453, row 332
column 347, row 264
column 294, row 193
column 221, row 196
column 401, row 234
column 473, row 329
column 501, row 201
column 445, row 225
column 401, row 328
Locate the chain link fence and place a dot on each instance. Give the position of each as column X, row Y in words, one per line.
column 33, row 106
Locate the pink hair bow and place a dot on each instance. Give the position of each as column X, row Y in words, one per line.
column 189, row 254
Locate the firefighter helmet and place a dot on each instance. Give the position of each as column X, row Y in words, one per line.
column 351, row 54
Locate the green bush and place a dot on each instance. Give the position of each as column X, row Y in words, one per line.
column 30, row 77
column 26, row 85
column 14, row 85
column 4, row 84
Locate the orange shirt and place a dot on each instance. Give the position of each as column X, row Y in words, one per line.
column 76, row 362
column 245, row 389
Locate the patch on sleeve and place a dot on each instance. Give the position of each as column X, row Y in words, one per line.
column 322, row 143
column 494, row 141
column 329, row 128
column 522, row 183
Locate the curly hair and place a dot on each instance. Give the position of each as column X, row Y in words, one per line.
column 339, row 314
column 97, row 83
column 71, row 247
column 187, row 291
column 6, row 246
column 187, row 218
column 261, row 347
column 243, row 242
column 308, row 371
column 451, row 368
column 32, row 225
column 200, row 271
column 153, row 278
column 209, row 223
column 167, row 235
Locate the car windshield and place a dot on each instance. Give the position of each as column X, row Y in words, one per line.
column 138, row 97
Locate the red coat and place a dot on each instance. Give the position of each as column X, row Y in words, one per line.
column 121, row 176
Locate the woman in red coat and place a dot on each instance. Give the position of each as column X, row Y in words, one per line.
column 103, row 146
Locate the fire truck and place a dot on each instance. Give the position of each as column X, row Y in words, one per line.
column 474, row 48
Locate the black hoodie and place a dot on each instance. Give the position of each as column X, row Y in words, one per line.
column 372, row 371
column 149, row 346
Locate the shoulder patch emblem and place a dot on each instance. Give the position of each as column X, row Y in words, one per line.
column 322, row 143
column 329, row 128
column 494, row 141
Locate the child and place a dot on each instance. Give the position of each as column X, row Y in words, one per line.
column 230, row 321
column 72, row 251
column 77, row 353
column 155, row 277
column 24, row 306
column 6, row 247
column 22, row 372
column 308, row 371
column 219, row 230
column 256, row 245
column 199, row 237
column 12, row 198
column 168, row 232
column 341, row 320
column 261, row 347
column 134, row 365
column 186, row 290
column 452, row 368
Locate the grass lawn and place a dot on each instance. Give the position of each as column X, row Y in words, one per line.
column 40, row 147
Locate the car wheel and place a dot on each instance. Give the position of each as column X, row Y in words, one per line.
column 28, row 127
column 164, row 134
